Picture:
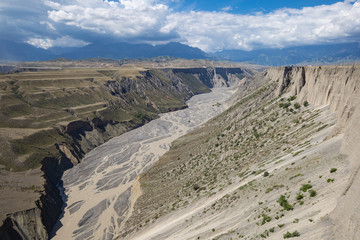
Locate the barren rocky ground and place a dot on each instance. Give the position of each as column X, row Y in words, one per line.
column 53, row 113
column 275, row 165
column 281, row 162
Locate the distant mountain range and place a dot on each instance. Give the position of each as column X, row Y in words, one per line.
column 304, row 55
column 127, row 50
column 11, row 51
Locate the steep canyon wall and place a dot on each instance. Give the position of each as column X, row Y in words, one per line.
column 108, row 95
column 219, row 189
column 339, row 88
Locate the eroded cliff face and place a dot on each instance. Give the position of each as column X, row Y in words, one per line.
column 217, row 77
column 24, row 225
column 267, row 145
column 336, row 86
column 144, row 96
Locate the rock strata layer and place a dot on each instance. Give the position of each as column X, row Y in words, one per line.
column 83, row 109
column 281, row 162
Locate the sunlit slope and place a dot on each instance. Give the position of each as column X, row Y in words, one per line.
column 272, row 166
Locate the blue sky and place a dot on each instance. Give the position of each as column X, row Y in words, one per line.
column 246, row 6
column 207, row 24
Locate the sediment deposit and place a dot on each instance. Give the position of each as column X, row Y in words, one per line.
column 98, row 190
column 280, row 162
column 52, row 116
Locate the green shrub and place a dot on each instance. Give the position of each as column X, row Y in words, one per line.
column 290, row 235
column 333, row 170
column 321, row 128
column 265, row 234
column 284, row 105
column 312, row 193
column 297, row 105
column 306, row 103
column 284, row 203
column 305, row 187
column 287, row 235
column 299, row 196
column 265, row 219
column 255, row 132
column 281, row 225
column 266, row 174
column 297, row 153
column 330, row 180
column 291, row 98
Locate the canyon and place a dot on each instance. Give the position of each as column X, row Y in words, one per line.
column 100, row 190
column 52, row 116
column 280, row 161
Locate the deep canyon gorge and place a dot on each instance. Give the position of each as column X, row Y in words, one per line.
column 280, row 158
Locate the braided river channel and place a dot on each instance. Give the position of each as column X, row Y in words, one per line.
column 101, row 190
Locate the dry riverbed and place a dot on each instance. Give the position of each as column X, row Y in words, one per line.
column 98, row 191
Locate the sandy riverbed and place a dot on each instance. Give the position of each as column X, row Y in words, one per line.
column 98, row 190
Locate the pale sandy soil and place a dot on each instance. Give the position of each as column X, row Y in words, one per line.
column 98, row 189
column 249, row 206
column 218, row 217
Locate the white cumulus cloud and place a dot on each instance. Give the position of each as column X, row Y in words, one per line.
column 212, row 31
column 48, row 23
column 64, row 41
column 125, row 19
